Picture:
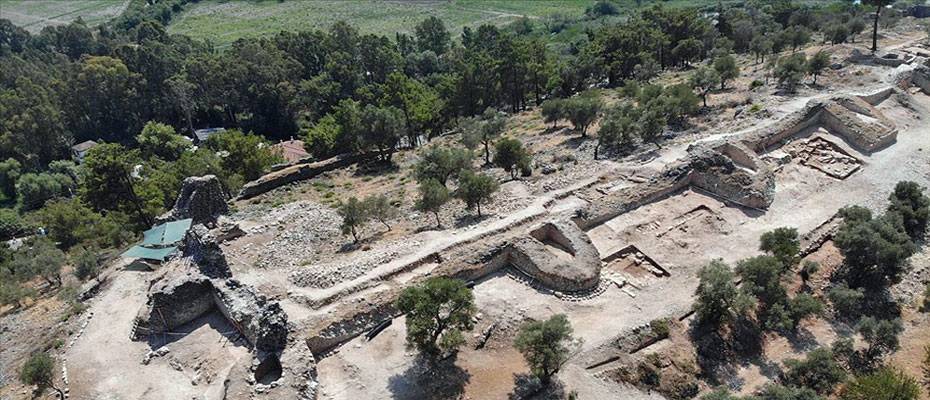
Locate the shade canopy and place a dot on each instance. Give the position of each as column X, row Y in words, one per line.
column 150, row 253
column 160, row 242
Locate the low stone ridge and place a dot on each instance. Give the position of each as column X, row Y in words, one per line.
column 294, row 173
column 559, row 255
column 202, row 198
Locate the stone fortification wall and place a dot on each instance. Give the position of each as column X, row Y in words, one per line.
column 292, row 174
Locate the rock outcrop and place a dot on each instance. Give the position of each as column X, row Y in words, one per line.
column 202, row 198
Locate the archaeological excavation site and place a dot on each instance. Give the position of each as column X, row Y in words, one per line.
column 512, row 252
column 255, row 305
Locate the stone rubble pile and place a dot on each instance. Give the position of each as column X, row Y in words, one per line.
column 302, row 231
column 329, row 274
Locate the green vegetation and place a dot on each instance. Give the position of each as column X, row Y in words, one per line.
column 356, row 213
column 433, row 195
column 483, row 131
column 35, row 15
column 39, row 370
column 475, row 189
column 761, row 290
column 510, row 155
column 437, row 312
column 819, row 371
column 442, row 163
column 544, row 345
column 224, row 22
column 782, row 243
column 884, row 384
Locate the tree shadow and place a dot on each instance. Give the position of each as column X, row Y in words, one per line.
column 575, row 142
column 801, row 340
column 374, row 168
column 767, row 367
column 426, row 379
column 364, row 243
column 719, row 354
column 528, row 386
column 470, row 219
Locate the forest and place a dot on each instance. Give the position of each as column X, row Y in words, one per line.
column 140, row 92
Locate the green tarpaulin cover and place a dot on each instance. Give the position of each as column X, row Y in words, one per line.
column 166, row 234
column 159, row 242
column 149, row 253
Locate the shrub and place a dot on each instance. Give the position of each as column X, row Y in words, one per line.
column 660, row 327
column 782, row 243
column 510, row 155
column 819, row 371
column 884, row 384
column 913, row 208
column 11, row 224
column 86, row 265
column 874, row 249
column 39, row 371
column 33, row 190
column 846, row 301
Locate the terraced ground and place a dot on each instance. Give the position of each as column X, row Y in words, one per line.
column 33, row 15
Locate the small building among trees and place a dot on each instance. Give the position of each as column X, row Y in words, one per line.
column 79, row 150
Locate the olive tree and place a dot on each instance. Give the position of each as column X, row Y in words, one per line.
column 437, row 312
column 884, row 384
column 510, row 155
column 354, row 215
column 475, row 189
column 544, row 345
column 433, row 195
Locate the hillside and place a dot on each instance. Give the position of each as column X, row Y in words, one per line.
column 33, row 15
column 223, row 22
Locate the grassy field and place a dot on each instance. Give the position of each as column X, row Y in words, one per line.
column 225, row 21
column 33, row 15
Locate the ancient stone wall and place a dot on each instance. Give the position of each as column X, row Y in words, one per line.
column 172, row 303
column 203, row 248
column 866, row 136
column 343, row 330
column 292, row 174
column 559, row 255
column 718, row 174
column 675, row 179
column 797, row 122
column 920, row 77
column 262, row 322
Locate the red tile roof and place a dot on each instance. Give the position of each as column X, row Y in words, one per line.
column 292, row 150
